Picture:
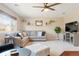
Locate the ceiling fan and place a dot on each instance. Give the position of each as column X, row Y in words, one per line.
column 46, row 6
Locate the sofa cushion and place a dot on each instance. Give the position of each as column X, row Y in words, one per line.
column 39, row 34
column 43, row 33
column 31, row 33
column 34, row 35
column 24, row 34
column 6, row 47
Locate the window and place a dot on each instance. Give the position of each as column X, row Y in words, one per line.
column 7, row 23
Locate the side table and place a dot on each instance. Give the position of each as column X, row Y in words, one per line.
column 9, row 39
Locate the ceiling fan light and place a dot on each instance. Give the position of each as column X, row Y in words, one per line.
column 46, row 9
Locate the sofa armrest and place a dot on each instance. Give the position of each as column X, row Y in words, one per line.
column 6, row 47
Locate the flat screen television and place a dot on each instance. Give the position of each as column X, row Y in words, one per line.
column 71, row 27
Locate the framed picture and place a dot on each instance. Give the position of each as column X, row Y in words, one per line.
column 38, row 22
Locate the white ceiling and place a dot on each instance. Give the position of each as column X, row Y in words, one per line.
column 26, row 10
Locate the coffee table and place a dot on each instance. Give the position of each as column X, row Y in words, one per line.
column 21, row 51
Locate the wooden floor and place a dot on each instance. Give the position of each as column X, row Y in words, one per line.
column 70, row 53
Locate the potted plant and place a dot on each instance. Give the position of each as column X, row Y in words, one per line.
column 57, row 30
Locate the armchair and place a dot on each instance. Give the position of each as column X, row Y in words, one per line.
column 22, row 42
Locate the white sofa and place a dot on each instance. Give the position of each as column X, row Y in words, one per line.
column 37, row 35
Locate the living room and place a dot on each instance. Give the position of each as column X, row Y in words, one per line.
column 41, row 31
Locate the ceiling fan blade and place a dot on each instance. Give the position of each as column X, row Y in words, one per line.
column 38, row 6
column 42, row 10
column 54, row 4
column 51, row 9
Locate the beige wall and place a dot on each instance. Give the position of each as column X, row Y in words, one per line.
column 48, row 28
column 60, row 21
column 71, row 19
